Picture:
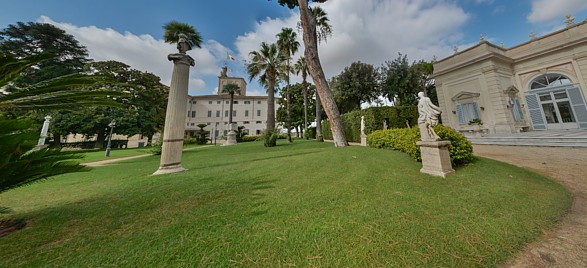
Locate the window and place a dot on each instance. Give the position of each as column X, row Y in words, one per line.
column 218, row 102
column 194, row 102
column 227, row 102
column 258, row 122
column 258, row 132
column 247, row 102
column 226, row 113
column 226, row 123
column 258, row 112
column 246, row 112
column 235, row 102
column 234, row 113
column 246, row 122
column 467, row 112
column 188, row 113
column 207, row 123
column 550, row 80
column 258, row 102
column 193, row 114
column 209, row 113
column 217, row 113
column 192, row 124
column 209, row 102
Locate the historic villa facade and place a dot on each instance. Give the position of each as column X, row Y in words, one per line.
column 213, row 110
column 537, row 85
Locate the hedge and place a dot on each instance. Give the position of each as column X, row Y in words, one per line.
column 404, row 140
column 396, row 117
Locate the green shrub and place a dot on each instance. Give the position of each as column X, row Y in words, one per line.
column 395, row 116
column 404, row 140
column 310, row 133
column 201, row 135
column 252, row 138
column 270, row 137
column 157, row 146
column 188, row 141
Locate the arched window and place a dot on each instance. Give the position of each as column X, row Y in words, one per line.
column 550, row 80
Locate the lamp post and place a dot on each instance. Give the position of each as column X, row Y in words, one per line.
column 111, row 125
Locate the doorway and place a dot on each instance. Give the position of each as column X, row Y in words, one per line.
column 558, row 111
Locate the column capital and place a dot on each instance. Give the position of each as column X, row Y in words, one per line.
column 179, row 58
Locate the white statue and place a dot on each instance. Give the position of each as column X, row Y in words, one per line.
column 428, row 117
column 362, row 125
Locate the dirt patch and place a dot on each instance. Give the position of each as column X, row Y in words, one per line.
column 566, row 244
column 8, row 226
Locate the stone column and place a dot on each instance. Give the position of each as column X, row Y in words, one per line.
column 173, row 132
column 44, row 130
column 231, row 136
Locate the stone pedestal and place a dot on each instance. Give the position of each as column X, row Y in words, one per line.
column 41, row 143
column 363, row 140
column 435, row 158
column 231, row 136
column 173, row 132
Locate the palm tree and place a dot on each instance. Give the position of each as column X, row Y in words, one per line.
column 314, row 22
column 265, row 64
column 19, row 163
column 288, row 45
column 302, row 67
column 173, row 29
column 231, row 89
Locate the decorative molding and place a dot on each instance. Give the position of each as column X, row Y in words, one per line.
column 511, row 90
column 463, row 95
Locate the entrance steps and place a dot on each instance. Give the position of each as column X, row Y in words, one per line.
column 551, row 138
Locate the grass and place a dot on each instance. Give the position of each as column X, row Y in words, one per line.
column 99, row 155
column 301, row 204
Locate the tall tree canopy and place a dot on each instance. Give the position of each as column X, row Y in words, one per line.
column 401, row 81
column 231, row 89
column 174, row 28
column 297, row 106
column 356, row 84
column 32, row 38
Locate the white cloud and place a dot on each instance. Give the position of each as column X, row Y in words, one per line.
column 144, row 52
column 546, row 10
column 373, row 31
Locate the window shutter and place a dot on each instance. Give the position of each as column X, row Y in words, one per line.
column 460, row 114
column 518, row 108
column 475, row 111
column 535, row 112
column 578, row 104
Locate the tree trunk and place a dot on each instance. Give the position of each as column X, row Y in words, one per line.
column 318, row 119
column 100, row 139
column 287, row 95
column 313, row 60
column 56, row 139
column 271, row 102
column 305, row 92
column 230, row 115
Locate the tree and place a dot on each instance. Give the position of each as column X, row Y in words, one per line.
column 231, row 89
column 301, row 67
column 311, row 19
column 288, row 45
column 401, row 82
column 27, row 39
column 19, row 163
column 297, row 107
column 357, row 84
column 173, row 29
column 265, row 64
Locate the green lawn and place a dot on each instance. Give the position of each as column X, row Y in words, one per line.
column 301, row 204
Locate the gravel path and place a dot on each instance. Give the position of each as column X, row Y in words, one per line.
column 566, row 244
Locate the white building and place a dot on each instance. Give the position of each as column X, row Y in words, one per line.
column 537, row 85
column 213, row 110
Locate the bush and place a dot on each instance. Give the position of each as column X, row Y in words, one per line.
column 189, row 141
column 404, row 140
column 201, row 135
column 157, row 146
column 270, row 137
column 310, row 133
column 395, row 116
column 251, row 138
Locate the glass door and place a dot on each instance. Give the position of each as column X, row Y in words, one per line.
column 557, row 109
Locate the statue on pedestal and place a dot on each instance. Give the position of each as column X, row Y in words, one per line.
column 428, row 117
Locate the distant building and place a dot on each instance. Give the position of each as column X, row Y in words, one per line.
column 213, row 110
column 537, row 85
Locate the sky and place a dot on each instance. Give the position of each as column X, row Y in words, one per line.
column 370, row 31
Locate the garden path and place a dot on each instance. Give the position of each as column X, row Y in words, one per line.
column 566, row 244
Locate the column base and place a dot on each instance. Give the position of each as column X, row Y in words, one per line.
column 170, row 169
column 435, row 158
column 230, row 138
column 364, row 140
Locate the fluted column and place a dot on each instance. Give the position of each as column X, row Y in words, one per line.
column 173, row 132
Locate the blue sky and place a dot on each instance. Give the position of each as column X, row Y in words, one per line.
column 371, row 31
